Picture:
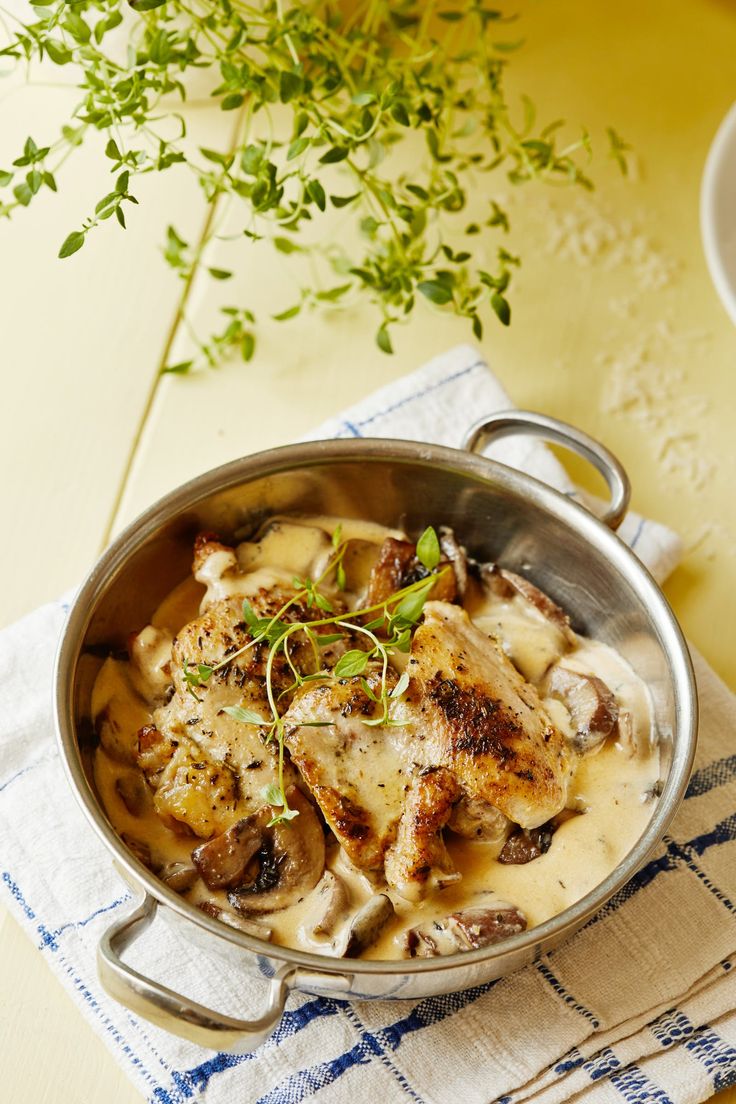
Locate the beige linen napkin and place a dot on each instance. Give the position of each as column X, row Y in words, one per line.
column 637, row 1007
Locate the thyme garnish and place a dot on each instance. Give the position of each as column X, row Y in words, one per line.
column 386, row 633
column 326, row 97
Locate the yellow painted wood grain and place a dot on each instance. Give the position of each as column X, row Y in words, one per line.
column 631, row 296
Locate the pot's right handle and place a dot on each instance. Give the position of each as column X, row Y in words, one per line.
column 511, row 422
column 172, row 1011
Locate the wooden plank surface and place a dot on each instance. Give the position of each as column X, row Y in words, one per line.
column 613, row 290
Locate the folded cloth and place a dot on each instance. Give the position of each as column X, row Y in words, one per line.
column 637, row 1006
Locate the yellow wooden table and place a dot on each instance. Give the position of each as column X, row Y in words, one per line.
column 616, row 328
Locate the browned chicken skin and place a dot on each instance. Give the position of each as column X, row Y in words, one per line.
column 470, row 727
column 474, row 714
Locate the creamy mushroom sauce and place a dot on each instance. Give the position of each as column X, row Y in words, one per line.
column 613, row 788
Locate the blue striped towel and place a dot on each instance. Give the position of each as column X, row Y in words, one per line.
column 637, row 1007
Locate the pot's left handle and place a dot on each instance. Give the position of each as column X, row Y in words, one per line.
column 172, row 1011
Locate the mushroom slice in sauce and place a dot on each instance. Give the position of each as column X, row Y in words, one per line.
column 140, row 849
column 150, row 659
column 222, row 861
column 331, row 901
column 474, row 818
column 507, row 583
column 524, row 845
column 592, row 707
column 294, row 859
column 467, row 930
column 367, row 924
column 455, row 554
column 225, row 916
column 397, row 566
column 533, row 631
column 179, row 876
column 133, row 792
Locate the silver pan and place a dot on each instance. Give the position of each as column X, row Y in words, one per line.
column 500, row 515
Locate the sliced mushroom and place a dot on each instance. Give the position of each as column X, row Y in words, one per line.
column 464, row 931
column 455, row 554
column 367, row 924
column 150, row 657
column 397, row 566
column 533, row 631
column 592, row 707
column 222, row 861
column 118, row 711
column 215, row 564
column 480, row 927
column 287, row 545
column 225, row 916
column 474, row 818
column 507, row 583
column 430, row 940
column 133, row 792
column 524, row 845
column 292, row 860
column 652, row 792
column 330, row 904
column 179, row 876
column 358, row 561
column 140, row 849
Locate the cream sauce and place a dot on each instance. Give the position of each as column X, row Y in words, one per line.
column 609, row 789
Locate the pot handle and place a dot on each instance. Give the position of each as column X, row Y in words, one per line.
column 507, row 423
column 171, row 1011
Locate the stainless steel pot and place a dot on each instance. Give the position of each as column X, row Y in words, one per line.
column 500, row 515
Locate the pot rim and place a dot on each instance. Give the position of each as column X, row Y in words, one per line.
column 321, row 453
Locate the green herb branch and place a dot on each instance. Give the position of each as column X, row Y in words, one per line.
column 395, row 620
column 330, row 96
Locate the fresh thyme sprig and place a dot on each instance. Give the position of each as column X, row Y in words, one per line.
column 327, row 97
column 396, row 618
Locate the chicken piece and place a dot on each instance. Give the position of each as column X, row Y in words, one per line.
column 419, row 851
column 358, row 774
column 239, row 747
column 190, row 790
column 473, row 713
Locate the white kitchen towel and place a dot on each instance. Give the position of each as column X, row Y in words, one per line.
column 637, row 1007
